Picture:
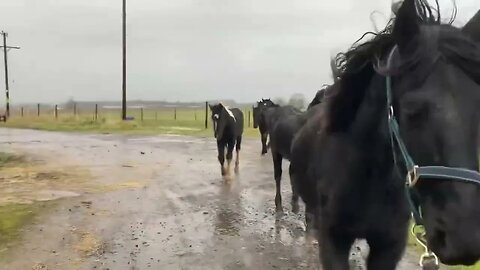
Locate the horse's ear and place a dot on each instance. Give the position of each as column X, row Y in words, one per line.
column 210, row 106
column 472, row 28
column 335, row 71
column 407, row 24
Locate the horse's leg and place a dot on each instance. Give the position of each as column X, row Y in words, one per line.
column 237, row 149
column 386, row 252
column 277, row 167
column 264, row 143
column 230, row 146
column 221, row 155
column 335, row 250
column 310, row 220
column 293, row 183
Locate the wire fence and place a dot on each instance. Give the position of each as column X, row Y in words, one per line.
column 193, row 115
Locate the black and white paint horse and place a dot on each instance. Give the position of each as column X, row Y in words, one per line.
column 228, row 130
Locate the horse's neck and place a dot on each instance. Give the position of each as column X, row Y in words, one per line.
column 267, row 116
column 229, row 112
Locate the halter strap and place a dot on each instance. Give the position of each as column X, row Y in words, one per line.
column 420, row 173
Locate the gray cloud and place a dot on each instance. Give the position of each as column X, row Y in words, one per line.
column 183, row 49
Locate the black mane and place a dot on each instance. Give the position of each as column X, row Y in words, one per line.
column 357, row 66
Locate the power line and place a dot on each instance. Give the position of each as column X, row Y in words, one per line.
column 5, row 49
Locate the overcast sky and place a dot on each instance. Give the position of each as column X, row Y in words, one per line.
column 182, row 50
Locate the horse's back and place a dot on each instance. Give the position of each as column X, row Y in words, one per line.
column 239, row 121
column 289, row 121
column 304, row 145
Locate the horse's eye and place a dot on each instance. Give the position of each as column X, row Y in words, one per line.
column 416, row 116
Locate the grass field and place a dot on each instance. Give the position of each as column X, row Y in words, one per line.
column 162, row 121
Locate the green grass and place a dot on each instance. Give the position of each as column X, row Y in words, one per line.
column 475, row 267
column 9, row 159
column 186, row 122
column 12, row 219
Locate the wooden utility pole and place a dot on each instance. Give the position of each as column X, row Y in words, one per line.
column 124, row 55
column 5, row 49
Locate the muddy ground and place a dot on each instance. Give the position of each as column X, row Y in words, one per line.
column 159, row 202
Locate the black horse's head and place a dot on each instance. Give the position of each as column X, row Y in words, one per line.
column 259, row 109
column 435, row 73
column 221, row 117
column 436, row 95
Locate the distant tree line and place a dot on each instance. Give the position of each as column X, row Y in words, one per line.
column 296, row 100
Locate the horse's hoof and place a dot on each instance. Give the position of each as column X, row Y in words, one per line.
column 236, row 170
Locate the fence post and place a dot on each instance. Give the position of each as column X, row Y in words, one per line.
column 74, row 109
column 206, row 114
column 56, row 111
column 141, row 114
column 249, row 118
column 22, row 111
column 175, row 113
column 38, row 109
column 195, row 111
column 96, row 112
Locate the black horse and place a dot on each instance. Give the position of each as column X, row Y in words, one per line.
column 228, row 130
column 348, row 166
column 260, row 122
column 282, row 123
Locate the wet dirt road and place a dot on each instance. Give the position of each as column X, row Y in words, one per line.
column 158, row 202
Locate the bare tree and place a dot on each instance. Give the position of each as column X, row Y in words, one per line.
column 280, row 101
column 69, row 104
column 297, row 101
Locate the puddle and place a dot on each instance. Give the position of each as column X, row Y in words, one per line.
column 50, row 195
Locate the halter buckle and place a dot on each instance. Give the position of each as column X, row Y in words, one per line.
column 412, row 176
column 390, row 112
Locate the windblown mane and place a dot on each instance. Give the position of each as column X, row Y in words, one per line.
column 357, row 66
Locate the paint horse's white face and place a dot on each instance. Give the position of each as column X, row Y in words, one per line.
column 215, row 118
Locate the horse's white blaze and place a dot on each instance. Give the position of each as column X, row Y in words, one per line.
column 216, row 116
